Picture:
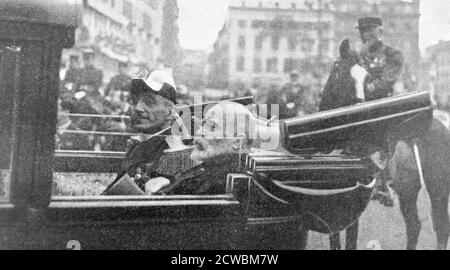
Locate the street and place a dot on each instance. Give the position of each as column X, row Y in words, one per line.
column 385, row 226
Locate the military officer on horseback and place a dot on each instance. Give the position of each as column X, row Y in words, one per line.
column 383, row 62
column 374, row 70
column 384, row 65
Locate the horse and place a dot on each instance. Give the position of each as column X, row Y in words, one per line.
column 434, row 152
column 344, row 88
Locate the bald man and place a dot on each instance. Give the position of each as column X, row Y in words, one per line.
column 228, row 132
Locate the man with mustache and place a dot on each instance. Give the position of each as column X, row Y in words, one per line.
column 152, row 98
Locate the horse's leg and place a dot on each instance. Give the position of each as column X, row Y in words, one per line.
column 335, row 241
column 439, row 207
column 351, row 237
column 408, row 207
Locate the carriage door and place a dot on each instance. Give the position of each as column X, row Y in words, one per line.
column 10, row 216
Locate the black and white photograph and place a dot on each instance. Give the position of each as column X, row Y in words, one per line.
column 234, row 125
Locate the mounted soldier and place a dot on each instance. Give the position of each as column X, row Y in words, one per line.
column 384, row 65
column 383, row 62
column 367, row 76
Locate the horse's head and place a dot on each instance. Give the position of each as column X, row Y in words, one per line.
column 348, row 67
column 348, row 57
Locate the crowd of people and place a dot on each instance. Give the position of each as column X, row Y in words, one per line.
column 82, row 93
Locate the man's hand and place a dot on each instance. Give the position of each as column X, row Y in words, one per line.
column 155, row 185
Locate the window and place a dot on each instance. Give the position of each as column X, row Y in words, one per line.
column 292, row 43
column 259, row 43
column 291, row 64
column 153, row 4
column 147, row 23
column 325, row 46
column 307, row 45
column 259, row 24
column 257, row 65
column 240, row 64
column 242, row 23
column 408, row 27
column 128, row 9
column 272, row 65
column 241, row 42
column 275, row 42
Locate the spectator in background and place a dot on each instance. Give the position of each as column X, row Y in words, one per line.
column 118, row 90
column 240, row 89
column 291, row 98
column 72, row 75
column 91, row 78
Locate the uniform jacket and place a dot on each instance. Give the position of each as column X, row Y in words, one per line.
column 141, row 153
column 384, row 65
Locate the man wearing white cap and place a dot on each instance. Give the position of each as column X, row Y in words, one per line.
column 153, row 97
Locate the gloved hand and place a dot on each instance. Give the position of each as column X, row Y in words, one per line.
column 156, row 184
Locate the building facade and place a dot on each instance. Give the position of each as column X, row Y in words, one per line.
column 119, row 31
column 263, row 41
column 193, row 69
column 436, row 72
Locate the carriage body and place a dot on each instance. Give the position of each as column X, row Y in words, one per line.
column 328, row 193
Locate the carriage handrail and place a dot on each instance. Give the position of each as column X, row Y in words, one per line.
column 90, row 154
column 125, row 117
column 85, row 132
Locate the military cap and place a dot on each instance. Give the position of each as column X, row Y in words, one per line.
column 159, row 82
column 369, row 21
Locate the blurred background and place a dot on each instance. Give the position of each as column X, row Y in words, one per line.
column 222, row 49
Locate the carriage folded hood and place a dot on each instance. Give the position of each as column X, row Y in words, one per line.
column 396, row 118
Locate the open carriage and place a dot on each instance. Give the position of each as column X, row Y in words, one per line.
column 266, row 202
